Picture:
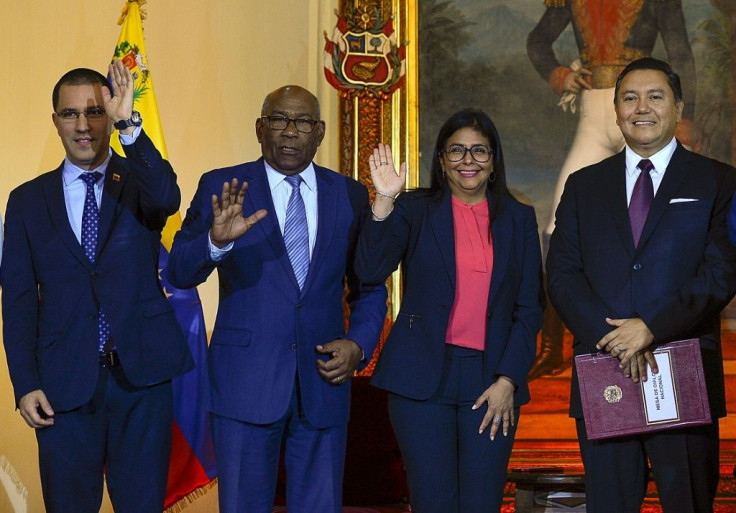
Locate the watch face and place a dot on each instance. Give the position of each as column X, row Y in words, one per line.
column 134, row 120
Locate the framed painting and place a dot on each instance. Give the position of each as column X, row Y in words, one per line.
column 505, row 57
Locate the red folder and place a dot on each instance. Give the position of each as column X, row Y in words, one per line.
column 613, row 405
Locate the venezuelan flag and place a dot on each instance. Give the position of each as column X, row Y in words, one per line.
column 192, row 455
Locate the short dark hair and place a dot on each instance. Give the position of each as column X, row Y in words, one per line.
column 78, row 76
column 482, row 123
column 650, row 63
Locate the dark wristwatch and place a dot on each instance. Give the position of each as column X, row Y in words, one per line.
column 134, row 120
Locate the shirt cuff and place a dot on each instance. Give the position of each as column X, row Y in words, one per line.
column 127, row 140
column 217, row 254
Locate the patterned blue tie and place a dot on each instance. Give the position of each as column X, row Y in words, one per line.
column 296, row 235
column 90, row 226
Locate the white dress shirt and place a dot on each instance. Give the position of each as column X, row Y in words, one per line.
column 660, row 160
column 75, row 190
column 280, row 194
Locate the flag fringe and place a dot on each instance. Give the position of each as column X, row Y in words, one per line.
column 124, row 12
column 188, row 499
column 9, row 472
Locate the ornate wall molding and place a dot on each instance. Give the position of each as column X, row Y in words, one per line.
column 378, row 104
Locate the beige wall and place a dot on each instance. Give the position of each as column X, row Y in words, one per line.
column 212, row 64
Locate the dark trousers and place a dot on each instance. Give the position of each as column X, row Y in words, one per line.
column 684, row 463
column 124, row 432
column 450, row 467
column 248, row 459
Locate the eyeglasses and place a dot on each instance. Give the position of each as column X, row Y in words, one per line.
column 281, row 122
column 480, row 152
column 71, row 116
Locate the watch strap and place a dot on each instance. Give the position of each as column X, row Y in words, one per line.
column 133, row 120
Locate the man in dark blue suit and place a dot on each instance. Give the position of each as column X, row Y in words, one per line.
column 280, row 359
column 91, row 340
column 624, row 283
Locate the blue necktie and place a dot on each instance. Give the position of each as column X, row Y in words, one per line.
column 641, row 199
column 90, row 226
column 296, row 235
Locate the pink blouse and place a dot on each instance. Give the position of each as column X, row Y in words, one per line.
column 474, row 264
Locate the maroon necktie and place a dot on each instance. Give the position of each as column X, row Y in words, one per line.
column 641, row 199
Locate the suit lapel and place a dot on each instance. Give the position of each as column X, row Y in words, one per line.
column 54, row 194
column 441, row 220
column 115, row 178
column 502, row 231
column 327, row 196
column 675, row 175
column 259, row 197
column 614, row 193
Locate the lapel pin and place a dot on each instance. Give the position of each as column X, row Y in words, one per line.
column 115, row 177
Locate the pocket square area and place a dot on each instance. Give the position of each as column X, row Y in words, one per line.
column 683, row 200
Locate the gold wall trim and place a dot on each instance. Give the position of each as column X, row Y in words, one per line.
column 367, row 119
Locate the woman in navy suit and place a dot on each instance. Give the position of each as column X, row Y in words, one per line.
column 456, row 360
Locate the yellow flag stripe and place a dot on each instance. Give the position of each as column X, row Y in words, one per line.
column 131, row 49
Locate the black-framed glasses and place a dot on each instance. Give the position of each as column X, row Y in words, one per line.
column 481, row 153
column 71, row 115
column 281, row 122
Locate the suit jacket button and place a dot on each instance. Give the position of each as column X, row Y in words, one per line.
column 300, row 306
column 489, row 315
column 637, row 267
column 293, row 347
column 95, row 275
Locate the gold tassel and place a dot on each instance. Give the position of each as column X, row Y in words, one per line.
column 124, row 12
column 555, row 3
column 185, row 501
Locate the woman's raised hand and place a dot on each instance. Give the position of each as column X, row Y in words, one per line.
column 383, row 173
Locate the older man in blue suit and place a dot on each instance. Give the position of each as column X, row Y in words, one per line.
column 640, row 256
column 91, row 340
column 280, row 359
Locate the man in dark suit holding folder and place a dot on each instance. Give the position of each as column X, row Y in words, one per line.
column 640, row 256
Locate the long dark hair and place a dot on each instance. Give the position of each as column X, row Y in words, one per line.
column 480, row 122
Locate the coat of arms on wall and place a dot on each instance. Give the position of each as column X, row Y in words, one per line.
column 363, row 55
